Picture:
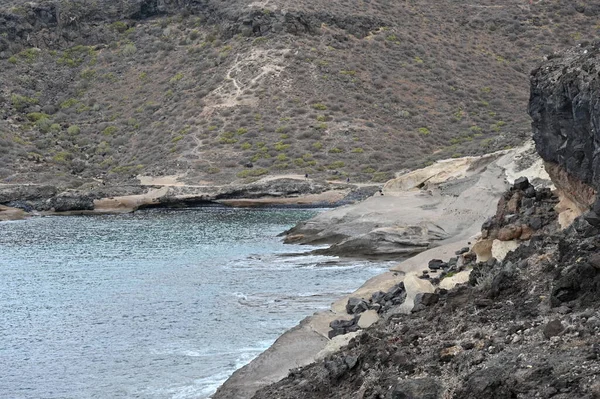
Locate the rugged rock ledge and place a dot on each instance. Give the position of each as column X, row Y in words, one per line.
column 117, row 199
column 566, row 117
column 421, row 209
column 47, row 24
column 566, row 113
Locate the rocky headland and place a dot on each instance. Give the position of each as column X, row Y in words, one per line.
column 509, row 312
column 445, row 202
column 287, row 191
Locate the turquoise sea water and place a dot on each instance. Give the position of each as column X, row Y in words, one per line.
column 156, row 304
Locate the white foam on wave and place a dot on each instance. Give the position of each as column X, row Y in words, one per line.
column 204, row 387
column 302, row 262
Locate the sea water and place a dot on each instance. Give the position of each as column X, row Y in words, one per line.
column 155, row 304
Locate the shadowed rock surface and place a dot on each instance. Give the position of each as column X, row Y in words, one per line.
column 566, row 113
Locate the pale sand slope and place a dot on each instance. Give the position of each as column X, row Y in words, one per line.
column 466, row 193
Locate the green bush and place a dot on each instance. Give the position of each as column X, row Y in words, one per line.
column 68, row 103
column 319, row 106
column 75, row 56
column 109, row 131
column 73, row 130
column 55, row 128
column 129, row 49
column 178, row 76
column 36, row 116
column 227, row 138
column 62, row 157
column 280, row 146
column 336, row 165
column 119, row 26
column 88, row 74
column 102, row 148
column 21, row 102
column 44, row 124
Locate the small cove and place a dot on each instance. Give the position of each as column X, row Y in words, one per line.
column 155, row 304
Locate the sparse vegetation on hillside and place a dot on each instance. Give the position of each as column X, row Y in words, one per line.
column 368, row 90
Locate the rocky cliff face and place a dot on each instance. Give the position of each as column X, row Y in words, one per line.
column 565, row 110
column 52, row 24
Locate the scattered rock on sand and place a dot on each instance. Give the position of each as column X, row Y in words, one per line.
column 356, row 305
column 436, row 264
column 423, row 300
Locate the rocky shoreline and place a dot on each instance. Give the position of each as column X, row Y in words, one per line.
column 22, row 200
column 455, row 190
column 514, row 314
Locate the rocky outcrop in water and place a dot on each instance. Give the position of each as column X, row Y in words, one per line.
column 423, row 208
column 270, row 192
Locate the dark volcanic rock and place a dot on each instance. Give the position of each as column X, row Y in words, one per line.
column 356, row 305
column 489, row 383
column 272, row 188
column 522, row 183
column 71, row 203
column 340, row 327
column 424, row 300
column 461, row 251
column 436, row 264
column 566, row 114
column 553, row 328
column 421, row 388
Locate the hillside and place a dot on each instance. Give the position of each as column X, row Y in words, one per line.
column 218, row 91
